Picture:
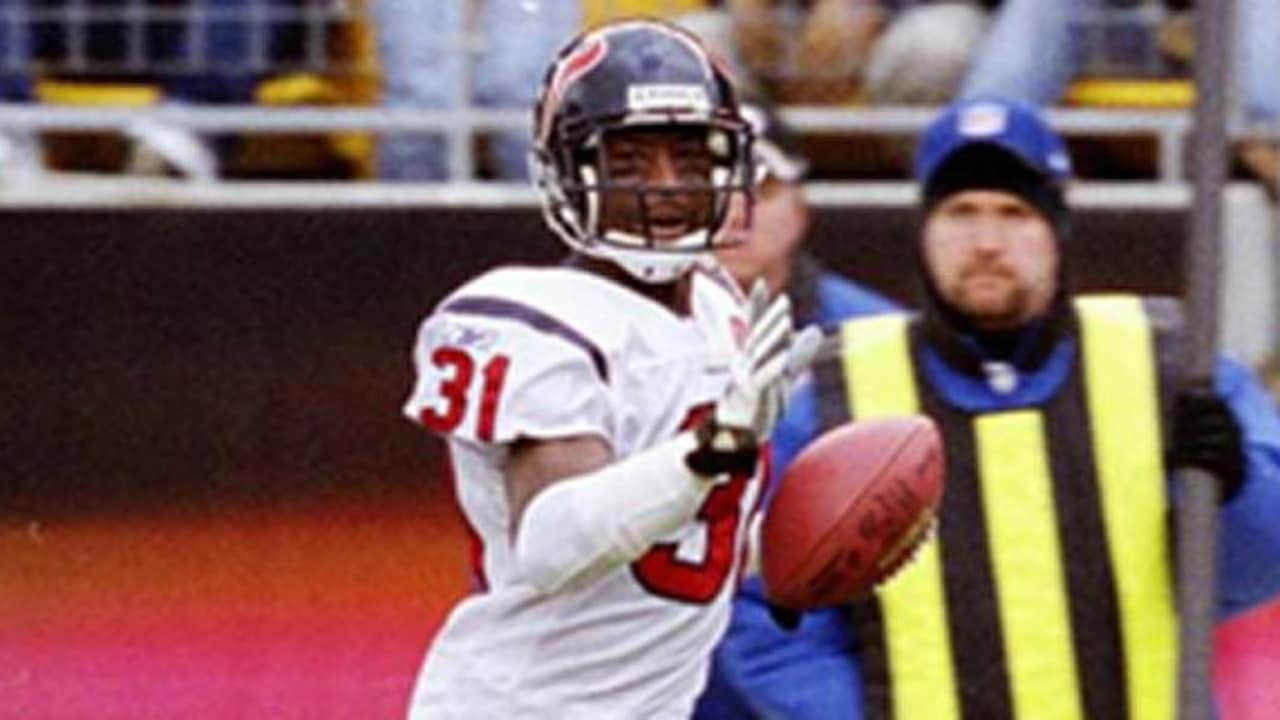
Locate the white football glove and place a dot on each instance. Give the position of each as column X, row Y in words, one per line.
column 772, row 357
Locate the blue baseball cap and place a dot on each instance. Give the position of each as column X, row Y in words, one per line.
column 1014, row 127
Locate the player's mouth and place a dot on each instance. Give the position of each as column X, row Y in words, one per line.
column 668, row 221
column 668, row 228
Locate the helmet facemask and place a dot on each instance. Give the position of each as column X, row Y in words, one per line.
column 602, row 210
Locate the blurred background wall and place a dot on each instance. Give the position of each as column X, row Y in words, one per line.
column 169, row 357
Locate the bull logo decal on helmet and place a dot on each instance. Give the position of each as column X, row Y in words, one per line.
column 570, row 68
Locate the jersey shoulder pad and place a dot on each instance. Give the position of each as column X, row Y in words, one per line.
column 589, row 305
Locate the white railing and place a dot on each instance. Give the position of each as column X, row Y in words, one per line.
column 86, row 191
column 1170, row 129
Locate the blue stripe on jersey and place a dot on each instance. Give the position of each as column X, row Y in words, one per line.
column 536, row 319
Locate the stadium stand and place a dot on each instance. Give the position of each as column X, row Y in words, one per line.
column 328, row 61
column 304, row 53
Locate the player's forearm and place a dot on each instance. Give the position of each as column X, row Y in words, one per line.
column 584, row 526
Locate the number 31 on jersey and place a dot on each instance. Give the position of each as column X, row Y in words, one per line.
column 458, row 369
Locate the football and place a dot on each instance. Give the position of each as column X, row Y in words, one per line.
column 851, row 509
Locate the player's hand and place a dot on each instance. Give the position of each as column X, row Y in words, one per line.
column 1207, row 435
column 772, row 356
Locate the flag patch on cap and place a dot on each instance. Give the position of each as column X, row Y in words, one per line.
column 1060, row 163
column 983, row 120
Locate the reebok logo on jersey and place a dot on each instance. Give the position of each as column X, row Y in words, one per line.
column 464, row 336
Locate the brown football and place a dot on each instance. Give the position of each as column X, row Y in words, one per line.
column 852, row 508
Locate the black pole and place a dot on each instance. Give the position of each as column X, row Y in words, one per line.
column 1197, row 510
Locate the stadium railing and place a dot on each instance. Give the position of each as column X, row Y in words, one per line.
column 1171, row 129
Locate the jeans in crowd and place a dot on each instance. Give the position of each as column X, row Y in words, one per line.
column 200, row 51
column 239, row 38
column 15, row 51
column 427, row 60
column 1033, row 51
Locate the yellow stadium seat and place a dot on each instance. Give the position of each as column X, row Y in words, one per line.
column 595, row 12
column 348, row 154
column 1131, row 93
column 353, row 46
column 62, row 92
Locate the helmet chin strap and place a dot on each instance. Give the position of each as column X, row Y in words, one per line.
column 649, row 266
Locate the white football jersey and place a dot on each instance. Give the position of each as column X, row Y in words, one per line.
column 557, row 352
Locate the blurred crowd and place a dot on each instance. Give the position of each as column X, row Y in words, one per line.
column 487, row 54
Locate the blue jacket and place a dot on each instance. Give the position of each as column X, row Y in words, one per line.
column 825, row 299
column 760, row 670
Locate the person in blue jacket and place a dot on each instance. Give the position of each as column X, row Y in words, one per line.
column 819, row 296
column 1048, row 582
column 780, row 223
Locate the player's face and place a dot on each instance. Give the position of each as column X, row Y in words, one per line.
column 992, row 257
column 779, row 221
column 658, row 182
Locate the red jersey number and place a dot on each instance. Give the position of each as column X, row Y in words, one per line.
column 662, row 572
column 459, row 367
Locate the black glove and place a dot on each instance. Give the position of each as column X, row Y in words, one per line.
column 722, row 449
column 1206, row 435
column 785, row 618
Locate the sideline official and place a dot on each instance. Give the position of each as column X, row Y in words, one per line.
column 1050, row 583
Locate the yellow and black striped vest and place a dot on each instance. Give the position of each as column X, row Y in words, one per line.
column 1047, row 592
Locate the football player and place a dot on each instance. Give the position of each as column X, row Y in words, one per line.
column 604, row 417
